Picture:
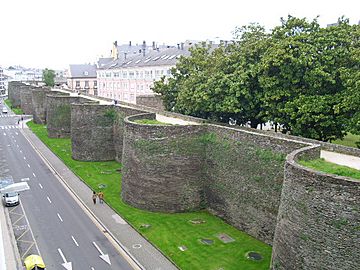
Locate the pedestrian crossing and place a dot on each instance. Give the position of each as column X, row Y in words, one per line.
column 11, row 127
column 7, row 115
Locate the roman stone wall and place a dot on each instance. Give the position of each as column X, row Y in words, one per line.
column 152, row 101
column 92, row 132
column 318, row 222
column 58, row 114
column 121, row 113
column 39, row 104
column 26, row 103
column 14, row 89
column 163, row 166
column 244, row 172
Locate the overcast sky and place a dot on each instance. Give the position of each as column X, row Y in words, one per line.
column 56, row 33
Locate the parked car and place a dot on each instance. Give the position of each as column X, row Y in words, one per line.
column 4, row 110
column 34, row 262
column 11, row 198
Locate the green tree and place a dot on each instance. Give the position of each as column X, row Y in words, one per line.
column 48, row 77
column 303, row 77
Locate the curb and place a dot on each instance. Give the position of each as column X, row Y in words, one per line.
column 137, row 263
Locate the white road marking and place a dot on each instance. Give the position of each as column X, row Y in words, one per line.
column 16, row 133
column 20, row 151
column 34, row 175
column 103, row 256
column 67, row 265
column 17, row 145
column 40, row 186
column 14, row 140
column 4, row 134
column 60, row 217
column 29, row 165
column 76, row 243
column 24, row 157
column 48, row 199
column 25, row 179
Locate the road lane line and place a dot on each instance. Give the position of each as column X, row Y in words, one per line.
column 24, row 157
column 48, row 199
column 17, row 145
column 40, row 186
column 20, row 151
column 29, row 165
column 60, row 217
column 76, row 243
column 16, row 133
column 34, row 174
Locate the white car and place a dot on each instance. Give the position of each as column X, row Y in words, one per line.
column 11, row 199
column 4, row 110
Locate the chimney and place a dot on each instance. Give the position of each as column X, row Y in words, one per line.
column 182, row 45
column 153, row 45
column 178, row 46
column 144, row 47
column 125, row 55
column 130, row 43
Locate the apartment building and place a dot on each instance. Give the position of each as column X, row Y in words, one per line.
column 82, row 79
column 2, row 83
column 132, row 74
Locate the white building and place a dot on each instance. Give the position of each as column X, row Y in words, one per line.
column 132, row 73
column 2, row 83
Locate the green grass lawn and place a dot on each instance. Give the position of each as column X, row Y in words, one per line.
column 15, row 110
column 349, row 140
column 150, row 122
column 320, row 164
column 167, row 231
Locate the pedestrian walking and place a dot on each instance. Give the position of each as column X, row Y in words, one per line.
column 101, row 197
column 94, row 197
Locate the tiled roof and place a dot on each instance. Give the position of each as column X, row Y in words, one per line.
column 168, row 56
column 83, row 71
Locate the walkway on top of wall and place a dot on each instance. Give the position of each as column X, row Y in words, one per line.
column 341, row 159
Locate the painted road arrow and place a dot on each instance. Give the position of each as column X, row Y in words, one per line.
column 67, row 265
column 103, row 256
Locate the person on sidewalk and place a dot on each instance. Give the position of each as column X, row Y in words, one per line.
column 101, row 197
column 94, row 197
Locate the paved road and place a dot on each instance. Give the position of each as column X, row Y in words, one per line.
column 63, row 232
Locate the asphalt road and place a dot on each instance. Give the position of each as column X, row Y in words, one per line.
column 63, row 233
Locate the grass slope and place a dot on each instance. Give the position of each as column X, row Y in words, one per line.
column 167, row 231
column 15, row 110
column 320, row 164
column 349, row 140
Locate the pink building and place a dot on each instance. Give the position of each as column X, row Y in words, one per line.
column 132, row 73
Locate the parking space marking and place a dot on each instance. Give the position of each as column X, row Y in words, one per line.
column 40, row 185
column 34, row 174
column 48, row 199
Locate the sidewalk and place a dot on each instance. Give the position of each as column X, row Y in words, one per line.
column 144, row 254
column 9, row 257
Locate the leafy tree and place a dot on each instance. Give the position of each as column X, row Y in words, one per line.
column 302, row 76
column 49, row 77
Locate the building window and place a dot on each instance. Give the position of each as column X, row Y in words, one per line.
column 116, row 74
column 87, row 85
column 108, row 74
column 77, row 84
column 131, row 74
column 124, row 74
column 95, row 84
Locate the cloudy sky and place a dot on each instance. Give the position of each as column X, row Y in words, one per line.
column 56, row 33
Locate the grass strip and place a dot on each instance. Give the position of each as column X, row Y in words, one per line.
column 151, row 122
column 17, row 111
column 320, row 164
column 167, row 231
